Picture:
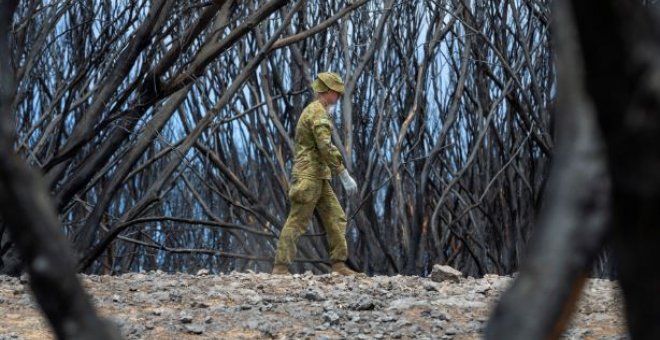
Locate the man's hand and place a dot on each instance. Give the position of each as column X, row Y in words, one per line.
column 348, row 182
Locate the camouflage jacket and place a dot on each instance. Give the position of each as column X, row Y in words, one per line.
column 316, row 156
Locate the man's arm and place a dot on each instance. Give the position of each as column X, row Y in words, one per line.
column 322, row 129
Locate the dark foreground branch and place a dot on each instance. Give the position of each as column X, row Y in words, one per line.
column 26, row 207
column 574, row 222
column 609, row 86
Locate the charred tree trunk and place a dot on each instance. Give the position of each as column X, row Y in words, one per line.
column 610, row 86
column 27, row 208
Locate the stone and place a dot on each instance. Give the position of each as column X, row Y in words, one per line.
column 430, row 286
column 313, row 295
column 136, row 329
column 195, row 329
column 445, row 273
column 388, row 318
column 406, row 303
column 160, row 296
column 176, row 297
column 328, row 306
column 364, row 303
column 331, row 317
column 185, row 317
column 252, row 324
column 254, row 298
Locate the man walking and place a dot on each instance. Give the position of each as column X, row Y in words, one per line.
column 316, row 160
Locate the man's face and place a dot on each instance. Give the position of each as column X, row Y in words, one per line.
column 333, row 97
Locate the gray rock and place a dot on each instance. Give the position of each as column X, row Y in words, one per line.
column 313, row 295
column 331, row 317
column 406, row 303
column 120, row 322
column 402, row 323
column 265, row 308
column 200, row 304
column 195, row 329
column 445, row 273
column 434, row 314
column 267, row 331
column 430, row 286
column 160, row 296
column 176, row 297
column 185, row 317
column 140, row 298
column 255, row 299
column 136, row 329
column 364, row 303
column 252, row 324
column 388, row 318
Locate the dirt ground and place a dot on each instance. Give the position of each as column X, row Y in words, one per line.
column 257, row 306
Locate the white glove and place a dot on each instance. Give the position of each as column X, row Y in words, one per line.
column 348, row 182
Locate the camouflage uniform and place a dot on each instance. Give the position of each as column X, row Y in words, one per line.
column 315, row 161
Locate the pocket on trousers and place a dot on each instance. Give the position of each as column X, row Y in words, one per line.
column 304, row 190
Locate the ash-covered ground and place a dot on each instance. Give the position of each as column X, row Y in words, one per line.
column 303, row 306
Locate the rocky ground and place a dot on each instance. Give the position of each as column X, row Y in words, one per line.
column 257, row 306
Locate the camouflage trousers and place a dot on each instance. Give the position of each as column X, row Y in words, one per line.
column 306, row 194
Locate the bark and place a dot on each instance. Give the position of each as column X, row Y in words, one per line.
column 609, row 71
column 26, row 207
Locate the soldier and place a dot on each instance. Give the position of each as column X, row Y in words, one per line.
column 316, row 159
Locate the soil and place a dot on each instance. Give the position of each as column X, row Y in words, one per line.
column 256, row 306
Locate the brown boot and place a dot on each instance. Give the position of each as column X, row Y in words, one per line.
column 280, row 269
column 341, row 269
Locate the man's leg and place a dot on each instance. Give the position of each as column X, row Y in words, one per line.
column 334, row 221
column 304, row 194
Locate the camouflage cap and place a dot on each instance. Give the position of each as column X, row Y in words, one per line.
column 328, row 81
